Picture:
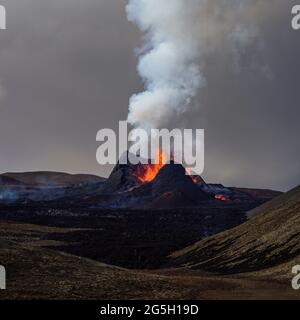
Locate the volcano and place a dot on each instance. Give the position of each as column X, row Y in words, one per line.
column 160, row 185
column 170, row 185
column 127, row 176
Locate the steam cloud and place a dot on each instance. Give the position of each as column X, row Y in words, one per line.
column 177, row 34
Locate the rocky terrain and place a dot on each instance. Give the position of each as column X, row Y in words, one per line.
column 34, row 271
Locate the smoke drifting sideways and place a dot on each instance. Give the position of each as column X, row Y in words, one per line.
column 177, row 34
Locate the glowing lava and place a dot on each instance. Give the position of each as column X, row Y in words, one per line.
column 150, row 171
column 221, row 197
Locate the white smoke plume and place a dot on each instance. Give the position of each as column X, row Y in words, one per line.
column 177, row 34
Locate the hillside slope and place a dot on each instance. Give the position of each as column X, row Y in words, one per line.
column 270, row 239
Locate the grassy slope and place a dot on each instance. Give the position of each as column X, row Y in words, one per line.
column 270, row 239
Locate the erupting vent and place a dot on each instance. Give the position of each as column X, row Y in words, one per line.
column 148, row 172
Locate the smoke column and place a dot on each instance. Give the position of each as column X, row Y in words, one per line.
column 176, row 34
column 167, row 65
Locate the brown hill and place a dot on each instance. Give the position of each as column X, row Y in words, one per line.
column 8, row 181
column 47, row 178
column 271, row 239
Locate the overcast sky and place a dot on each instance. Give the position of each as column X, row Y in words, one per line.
column 68, row 69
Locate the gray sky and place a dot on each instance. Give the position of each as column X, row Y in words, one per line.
column 68, row 68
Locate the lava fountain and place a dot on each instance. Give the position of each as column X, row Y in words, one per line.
column 148, row 172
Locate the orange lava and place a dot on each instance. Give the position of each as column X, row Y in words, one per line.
column 150, row 171
column 221, row 197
